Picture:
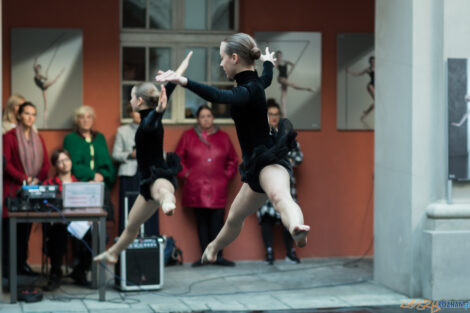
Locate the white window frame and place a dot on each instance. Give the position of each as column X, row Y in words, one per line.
column 178, row 40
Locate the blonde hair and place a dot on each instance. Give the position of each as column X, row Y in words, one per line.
column 82, row 111
column 148, row 92
column 244, row 45
column 9, row 115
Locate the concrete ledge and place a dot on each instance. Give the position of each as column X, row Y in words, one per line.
column 445, row 251
column 444, row 210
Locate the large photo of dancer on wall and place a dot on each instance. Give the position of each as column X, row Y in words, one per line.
column 46, row 68
column 355, row 81
column 296, row 84
column 458, row 106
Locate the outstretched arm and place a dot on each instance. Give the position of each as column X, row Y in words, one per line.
column 162, row 101
column 358, row 73
column 181, row 69
column 237, row 95
column 184, row 65
column 268, row 64
column 154, row 119
column 267, row 75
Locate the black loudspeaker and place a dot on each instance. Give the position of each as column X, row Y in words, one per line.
column 141, row 265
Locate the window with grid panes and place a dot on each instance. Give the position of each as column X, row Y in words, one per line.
column 157, row 34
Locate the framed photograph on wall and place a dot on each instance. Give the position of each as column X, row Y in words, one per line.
column 458, row 106
column 296, row 84
column 355, row 81
column 46, row 69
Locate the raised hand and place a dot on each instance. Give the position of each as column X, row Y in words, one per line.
column 162, row 100
column 269, row 56
column 171, row 76
column 184, row 65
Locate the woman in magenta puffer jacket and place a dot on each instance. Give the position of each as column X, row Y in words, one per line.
column 209, row 162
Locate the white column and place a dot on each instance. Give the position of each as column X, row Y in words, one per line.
column 410, row 135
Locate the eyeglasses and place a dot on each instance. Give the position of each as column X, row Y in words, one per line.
column 274, row 114
column 63, row 161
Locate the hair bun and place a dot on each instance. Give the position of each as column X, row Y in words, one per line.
column 255, row 53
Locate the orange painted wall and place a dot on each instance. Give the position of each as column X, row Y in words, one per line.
column 335, row 181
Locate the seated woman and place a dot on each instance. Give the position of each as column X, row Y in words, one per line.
column 56, row 233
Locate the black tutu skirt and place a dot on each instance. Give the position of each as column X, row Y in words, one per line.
column 168, row 170
column 262, row 156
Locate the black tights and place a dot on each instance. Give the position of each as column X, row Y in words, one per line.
column 55, row 245
column 267, row 224
column 22, row 239
column 209, row 224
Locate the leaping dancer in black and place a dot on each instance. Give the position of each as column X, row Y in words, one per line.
column 265, row 170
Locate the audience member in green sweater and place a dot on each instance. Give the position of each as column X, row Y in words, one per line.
column 91, row 162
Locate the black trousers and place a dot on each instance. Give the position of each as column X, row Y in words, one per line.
column 267, row 225
column 23, row 230
column 55, row 247
column 209, row 224
column 82, row 256
column 129, row 186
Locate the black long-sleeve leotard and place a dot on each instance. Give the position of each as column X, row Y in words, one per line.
column 249, row 111
column 149, row 148
column 247, row 105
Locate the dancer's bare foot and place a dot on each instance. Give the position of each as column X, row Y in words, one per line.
column 107, row 257
column 299, row 233
column 168, row 207
column 209, row 255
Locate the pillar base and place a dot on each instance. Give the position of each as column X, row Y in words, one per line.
column 446, row 252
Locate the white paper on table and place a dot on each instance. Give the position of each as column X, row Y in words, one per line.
column 78, row 229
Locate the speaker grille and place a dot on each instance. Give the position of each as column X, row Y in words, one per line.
column 142, row 266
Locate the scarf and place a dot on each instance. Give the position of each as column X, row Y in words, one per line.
column 203, row 135
column 31, row 152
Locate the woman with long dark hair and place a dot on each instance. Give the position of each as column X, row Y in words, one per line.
column 26, row 159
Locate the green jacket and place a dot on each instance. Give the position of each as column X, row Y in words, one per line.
column 81, row 157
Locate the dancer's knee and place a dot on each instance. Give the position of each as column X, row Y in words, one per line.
column 234, row 223
column 276, row 196
column 158, row 192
